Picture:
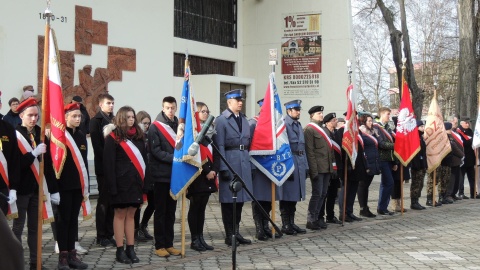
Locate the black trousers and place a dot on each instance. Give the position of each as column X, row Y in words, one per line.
column 4, row 203
column 27, row 206
column 227, row 214
column 362, row 192
column 454, row 181
column 67, row 223
column 147, row 214
column 396, row 193
column 470, row 172
column 164, row 216
column 266, row 205
column 104, row 214
column 329, row 202
column 288, row 208
column 196, row 213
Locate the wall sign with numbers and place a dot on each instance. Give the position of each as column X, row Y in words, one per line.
column 63, row 19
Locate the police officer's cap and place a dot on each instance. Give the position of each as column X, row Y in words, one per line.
column 260, row 102
column 315, row 109
column 235, row 93
column 329, row 117
column 293, row 104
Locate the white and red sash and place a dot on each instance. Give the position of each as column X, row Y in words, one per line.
column 371, row 138
column 360, row 140
column 384, row 131
column 82, row 172
column 457, row 138
column 12, row 208
column 134, row 154
column 465, row 136
column 330, row 142
column 25, row 147
column 167, row 132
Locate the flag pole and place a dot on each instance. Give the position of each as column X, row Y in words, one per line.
column 401, row 165
column 273, row 209
column 476, row 174
column 345, row 175
column 272, row 61
column 434, row 204
column 41, row 198
column 184, row 202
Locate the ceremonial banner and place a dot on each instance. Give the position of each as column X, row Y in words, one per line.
column 185, row 167
column 350, row 133
column 436, row 139
column 407, row 139
column 476, row 132
column 270, row 150
column 54, row 108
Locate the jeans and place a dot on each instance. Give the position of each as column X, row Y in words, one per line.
column 386, row 185
column 319, row 192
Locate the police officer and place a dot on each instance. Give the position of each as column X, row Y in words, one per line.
column 233, row 140
column 293, row 190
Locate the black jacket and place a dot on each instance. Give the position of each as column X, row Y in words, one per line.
column 370, row 154
column 453, row 158
column 12, row 118
column 160, row 151
column 70, row 178
column 85, row 124
column 28, row 183
column 419, row 162
column 467, row 138
column 11, row 152
column 124, row 183
column 201, row 184
column 97, row 123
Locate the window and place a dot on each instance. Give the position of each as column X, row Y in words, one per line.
column 201, row 66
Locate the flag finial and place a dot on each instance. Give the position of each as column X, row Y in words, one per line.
column 349, row 70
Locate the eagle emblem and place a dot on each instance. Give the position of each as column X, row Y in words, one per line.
column 406, row 121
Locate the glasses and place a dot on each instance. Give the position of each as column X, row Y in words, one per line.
column 146, row 123
column 205, row 111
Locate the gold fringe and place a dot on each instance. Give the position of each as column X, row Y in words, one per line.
column 184, row 189
column 48, row 220
column 405, row 163
column 62, row 146
column 12, row 216
column 87, row 217
column 44, row 197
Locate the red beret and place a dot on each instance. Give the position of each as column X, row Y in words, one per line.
column 29, row 102
column 72, row 107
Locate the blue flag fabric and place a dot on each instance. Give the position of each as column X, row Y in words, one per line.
column 270, row 150
column 186, row 168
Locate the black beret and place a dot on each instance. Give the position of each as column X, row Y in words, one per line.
column 329, row 117
column 420, row 123
column 315, row 109
column 448, row 125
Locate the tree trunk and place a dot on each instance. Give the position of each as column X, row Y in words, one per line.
column 466, row 103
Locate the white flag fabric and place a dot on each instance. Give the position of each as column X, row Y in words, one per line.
column 476, row 132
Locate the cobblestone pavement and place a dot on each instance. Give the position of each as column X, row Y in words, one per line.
column 437, row 238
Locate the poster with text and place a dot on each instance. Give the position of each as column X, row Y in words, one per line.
column 301, row 55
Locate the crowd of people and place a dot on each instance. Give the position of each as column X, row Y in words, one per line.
column 133, row 158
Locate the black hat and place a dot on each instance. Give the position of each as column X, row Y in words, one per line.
column 293, row 104
column 315, row 109
column 329, row 117
column 420, row 123
column 465, row 119
column 341, row 120
column 77, row 98
column 260, row 102
column 235, row 93
column 448, row 125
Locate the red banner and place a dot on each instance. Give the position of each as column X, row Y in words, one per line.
column 350, row 134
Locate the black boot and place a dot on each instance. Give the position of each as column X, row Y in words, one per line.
column 139, row 236
column 268, row 230
column 431, row 203
column 286, row 225
column 294, row 226
column 143, row 232
column 240, row 238
column 259, row 229
column 415, row 205
column 365, row 212
column 122, row 256
column 63, row 261
column 196, row 244
column 228, row 235
column 130, row 251
column 202, row 240
column 74, row 262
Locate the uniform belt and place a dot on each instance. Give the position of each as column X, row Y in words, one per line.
column 240, row 147
column 299, row 152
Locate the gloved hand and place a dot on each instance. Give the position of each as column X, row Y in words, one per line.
column 40, row 149
column 55, row 198
column 12, row 196
column 225, row 175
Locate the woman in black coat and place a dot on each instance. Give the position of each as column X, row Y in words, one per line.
column 199, row 191
column 124, row 168
column 372, row 165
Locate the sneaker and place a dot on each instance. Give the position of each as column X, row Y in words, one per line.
column 463, row 197
column 173, row 251
column 385, row 213
column 162, row 252
column 80, row 249
column 457, row 198
column 57, row 250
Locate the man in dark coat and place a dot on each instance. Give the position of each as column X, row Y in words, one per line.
column 293, row 190
column 10, row 162
column 262, row 190
column 419, row 169
column 104, row 214
column 468, row 167
column 13, row 116
column 233, row 141
column 160, row 160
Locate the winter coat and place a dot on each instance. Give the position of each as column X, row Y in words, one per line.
column 385, row 143
column 467, row 137
column 229, row 139
column 202, row 185
column 371, row 155
column 12, row 154
column 160, row 151
column 419, row 162
column 97, row 123
column 123, row 180
column 294, row 189
column 85, row 123
column 13, row 119
column 454, row 158
column 320, row 155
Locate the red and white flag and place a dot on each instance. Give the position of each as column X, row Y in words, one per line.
column 407, row 139
column 350, row 133
column 54, row 109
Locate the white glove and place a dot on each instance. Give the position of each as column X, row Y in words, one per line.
column 55, row 198
column 40, row 149
column 12, row 196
